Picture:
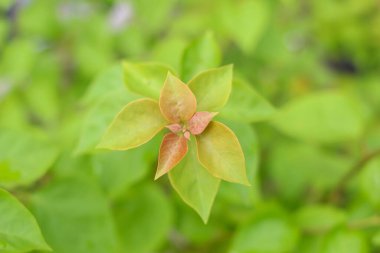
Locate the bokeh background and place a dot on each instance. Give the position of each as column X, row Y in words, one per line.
column 314, row 164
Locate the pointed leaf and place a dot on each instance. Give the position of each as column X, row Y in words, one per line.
column 246, row 105
column 212, row 88
column 220, row 152
column 177, row 102
column 19, row 231
column 135, row 125
column 196, row 186
column 173, row 149
column 200, row 121
column 145, row 79
column 201, row 54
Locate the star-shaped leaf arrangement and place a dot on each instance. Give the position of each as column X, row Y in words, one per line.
column 196, row 151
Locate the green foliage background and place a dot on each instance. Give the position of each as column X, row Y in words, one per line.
column 314, row 164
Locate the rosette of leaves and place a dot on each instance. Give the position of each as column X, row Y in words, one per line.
column 194, row 141
column 197, row 150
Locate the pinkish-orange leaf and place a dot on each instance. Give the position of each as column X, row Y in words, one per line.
column 173, row 149
column 199, row 122
column 175, row 128
column 177, row 101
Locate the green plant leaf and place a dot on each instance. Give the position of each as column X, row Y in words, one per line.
column 106, row 81
column 77, row 206
column 212, row 88
column 177, row 102
column 98, row 118
column 220, row 153
column 244, row 21
column 116, row 175
column 345, row 241
column 324, row 117
column 137, row 123
column 143, row 218
column 196, row 186
column 246, row 105
column 25, row 157
column 19, row 231
column 319, row 218
column 146, row 79
column 172, row 150
column 369, row 182
column 201, row 54
column 267, row 234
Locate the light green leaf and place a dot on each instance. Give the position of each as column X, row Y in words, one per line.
column 98, row 118
column 269, row 235
column 246, row 105
column 201, row 54
column 324, row 117
column 212, row 88
column 74, row 216
column 345, row 241
column 196, row 186
column 145, row 79
column 244, row 21
column 137, row 123
column 19, row 231
column 143, row 218
column 319, row 218
column 25, row 157
column 117, row 171
column 107, row 81
column 370, row 182
column 220, row 153
column 236, row 194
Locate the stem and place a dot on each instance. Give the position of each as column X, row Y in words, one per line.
column 339, row 188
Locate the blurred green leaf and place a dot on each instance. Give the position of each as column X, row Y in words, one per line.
column 98, row 118
column 246, row 105
column 324, row 117
column 145, row 79
column 17, row 59
column 19, row 231
column 370, row 182
column 203, row 53
column 196, row 186
column 108, row 80
column 143, row 219
column 118, row 171
column 26, row 155
column 244, row 21
column 345, row 241
column 319, row 218
column 212, row 88
column 297, row 169
column 268, row 234
column 81, row 212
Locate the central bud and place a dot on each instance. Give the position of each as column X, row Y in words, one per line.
column 196, row 125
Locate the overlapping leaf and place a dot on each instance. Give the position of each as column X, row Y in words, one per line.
column 136, row 124
column 196, row 186
column 173, row 149
column 177, row 102
column 212, row 88
column 221, row 154
column 19, row 231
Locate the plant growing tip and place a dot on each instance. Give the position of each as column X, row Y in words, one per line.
column 187, row 112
